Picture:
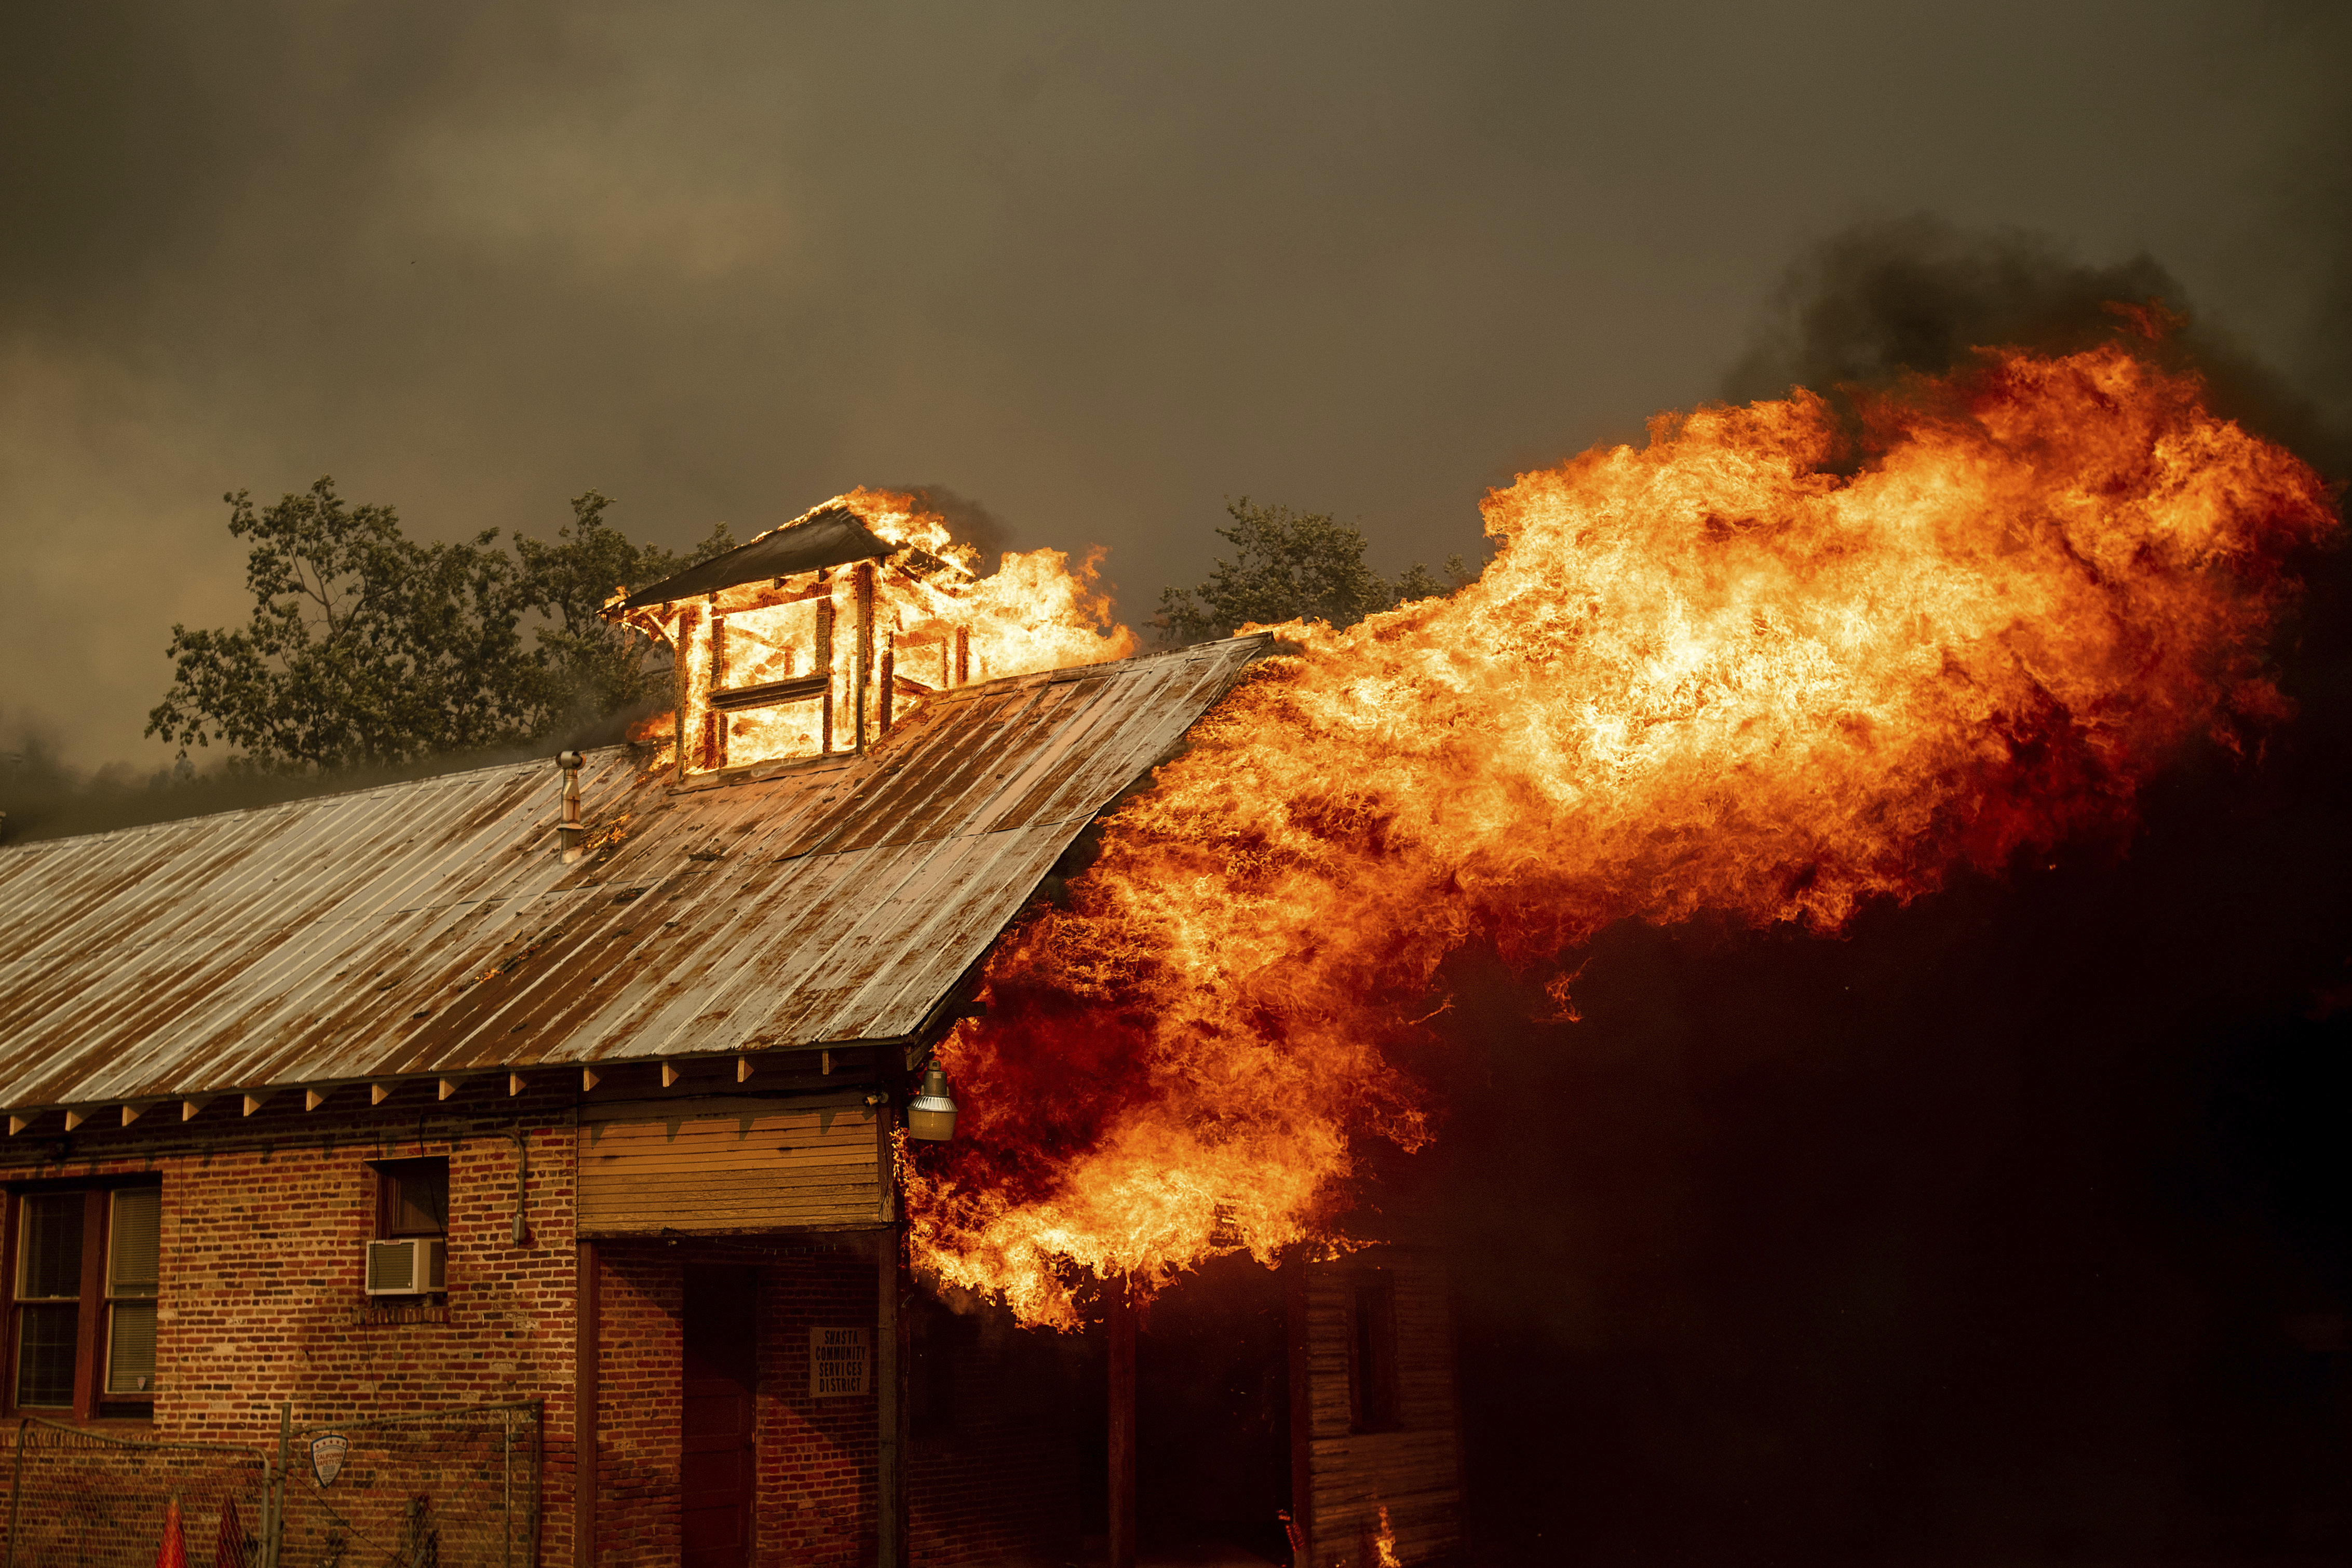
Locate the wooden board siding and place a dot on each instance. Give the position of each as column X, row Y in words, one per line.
column 716, row 1166
column 1414, row 1468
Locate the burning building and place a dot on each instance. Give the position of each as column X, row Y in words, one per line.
column 817, row 639
column 586, row 1089
column 632, row 1063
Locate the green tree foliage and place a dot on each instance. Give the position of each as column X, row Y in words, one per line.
column 367, row 648
column 585, row 667
column 1288, row 565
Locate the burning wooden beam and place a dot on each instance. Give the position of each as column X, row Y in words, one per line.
column 860, row 675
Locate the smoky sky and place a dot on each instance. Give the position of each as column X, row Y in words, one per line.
column 1092, row 269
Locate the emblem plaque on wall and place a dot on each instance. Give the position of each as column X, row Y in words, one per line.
column 327, row 1451
column 837, row 1361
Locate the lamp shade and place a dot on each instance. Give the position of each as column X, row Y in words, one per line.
column 930, row 1115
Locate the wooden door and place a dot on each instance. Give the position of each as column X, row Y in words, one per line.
column 717, row 1467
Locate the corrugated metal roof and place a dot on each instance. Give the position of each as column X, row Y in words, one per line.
column 432, row 928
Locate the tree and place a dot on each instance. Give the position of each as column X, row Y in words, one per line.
column 366, row 646
column 587, row 667
column 1290, row 565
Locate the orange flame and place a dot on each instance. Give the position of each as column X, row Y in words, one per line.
column 1712, row 673
column 1033, row 612
column 1384, row 1543
column 876, row 642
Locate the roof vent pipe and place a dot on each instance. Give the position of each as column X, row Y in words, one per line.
column 569, row 835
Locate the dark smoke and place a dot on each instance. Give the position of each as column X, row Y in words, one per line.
column 971, row 521
column 2011, row 1226
column 1921, row 295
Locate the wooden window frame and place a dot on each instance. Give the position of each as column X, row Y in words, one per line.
column 1375, row 1399
column 388, row 1175
column 92, row 1402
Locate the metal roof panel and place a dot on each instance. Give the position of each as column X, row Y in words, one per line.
column 434, row 928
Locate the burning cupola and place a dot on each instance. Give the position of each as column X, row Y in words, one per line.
column 815, row 639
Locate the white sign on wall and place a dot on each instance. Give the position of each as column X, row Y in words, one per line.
column 837, row 1361
column 327, row 1451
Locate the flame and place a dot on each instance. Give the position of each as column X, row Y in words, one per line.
column 1713, row 673
column 1384, row 1543
column 1034, row 612
column 936, row 623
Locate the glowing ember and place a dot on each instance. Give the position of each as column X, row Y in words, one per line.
column 1708, row 674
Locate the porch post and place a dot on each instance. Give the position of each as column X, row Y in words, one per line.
column 1302, row 1411
column 586, row 1352
column 1118, row 1322
column 890, row 1489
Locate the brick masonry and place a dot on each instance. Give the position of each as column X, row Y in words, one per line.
column 261, row 1303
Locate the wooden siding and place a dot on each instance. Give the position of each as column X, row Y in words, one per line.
column 1414, row 1470
column 734, row 1164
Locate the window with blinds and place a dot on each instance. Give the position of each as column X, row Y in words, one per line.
column 84, row 1284
column 133, row 1237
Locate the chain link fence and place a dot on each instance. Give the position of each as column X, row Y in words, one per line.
column 89, row 1499
column 442, row 1489
column 439, row 1488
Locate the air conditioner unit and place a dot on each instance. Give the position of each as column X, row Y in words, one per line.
column 409, row 1267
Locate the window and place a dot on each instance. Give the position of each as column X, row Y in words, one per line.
column 412, row 1199
column 83, row 1287
column 1371, row 1353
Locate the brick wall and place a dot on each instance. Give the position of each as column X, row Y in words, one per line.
column 1001, row 1478
column 261, row 1289
column 262, row 1298
column 261, row 1302
column 638, row 1306
column 816, row 1454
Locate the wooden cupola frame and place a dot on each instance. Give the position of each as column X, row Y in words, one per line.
column 811, row 641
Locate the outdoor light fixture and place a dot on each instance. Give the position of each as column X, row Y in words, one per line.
column 930, row 1115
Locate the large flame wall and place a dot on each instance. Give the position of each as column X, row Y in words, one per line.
column 1712, row 673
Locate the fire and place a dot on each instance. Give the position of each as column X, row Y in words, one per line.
column 1712, row 673
column 1384, row 1543
column 826, row 660
column 1034, row 612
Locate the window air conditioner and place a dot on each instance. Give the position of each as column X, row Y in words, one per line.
column 409, row 1267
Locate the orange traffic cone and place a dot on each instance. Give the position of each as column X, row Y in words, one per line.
column 229, row 1548
column 174, row 1552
